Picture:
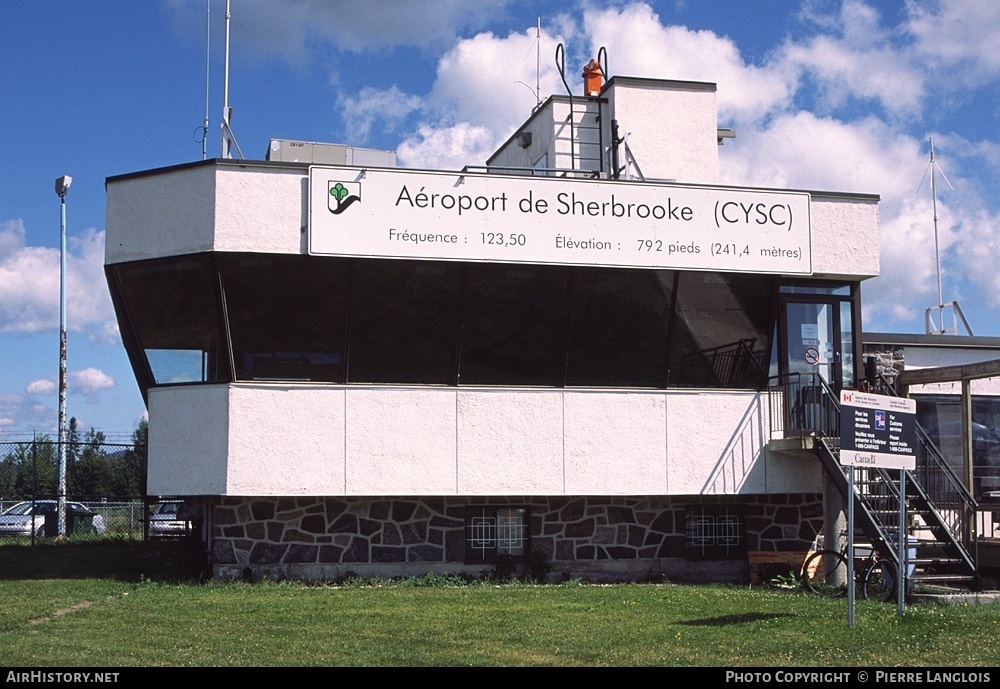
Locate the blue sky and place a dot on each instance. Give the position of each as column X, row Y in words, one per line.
column 824, row 94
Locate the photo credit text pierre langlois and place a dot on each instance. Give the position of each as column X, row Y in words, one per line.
column 872, row 676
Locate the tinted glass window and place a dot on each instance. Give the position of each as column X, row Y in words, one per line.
column 841, row 290
column 307, row 318
column 618, row 327
column 513, row 325
column 287, row 316
column 721, row 327
column 404, row 321
column 172, row 306
column 941, row 418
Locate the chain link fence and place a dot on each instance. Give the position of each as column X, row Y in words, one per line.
column 105, row 485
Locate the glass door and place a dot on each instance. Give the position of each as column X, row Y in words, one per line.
column 811, row 344
column 818, row 337
column 817, row 353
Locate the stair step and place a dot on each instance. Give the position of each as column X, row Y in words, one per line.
column 930, row 578
column 920, row 561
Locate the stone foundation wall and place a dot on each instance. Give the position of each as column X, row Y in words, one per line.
column 890, row 359
column 602, row 538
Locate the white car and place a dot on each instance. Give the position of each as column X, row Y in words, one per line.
column 26, row 517
column 167, row 518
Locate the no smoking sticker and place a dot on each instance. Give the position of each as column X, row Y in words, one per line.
column 811, row 355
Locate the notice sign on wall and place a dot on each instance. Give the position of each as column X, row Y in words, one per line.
column 547, row 220
column 877, row 431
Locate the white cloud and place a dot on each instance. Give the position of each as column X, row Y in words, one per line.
column 957, row 38
column 642, row 46
column 466, row 114
column 87, row 382
column 29, row 283
column 42, row 386
column 489, row 81
column 447, row 148
column 805, row 151
column 936, row 48
column 386, row 106
column 977, row 250
column 288, row 28
column 18, row 411
column 843, row 72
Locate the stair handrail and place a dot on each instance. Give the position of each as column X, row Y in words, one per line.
column 792, row 415
column 930, row 460
column 730, row 365
column 933, row 461
column 946, row 469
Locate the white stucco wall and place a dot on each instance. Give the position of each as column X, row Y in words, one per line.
column 844, row 237
column 196, row 208
column 256, row 439
column 542, row 129
column 671, row 129
column 263, row 209
column 188, row 443
column 163, row 214
column 266, row 210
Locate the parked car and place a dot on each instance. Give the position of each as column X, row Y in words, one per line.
column 28, row 517
column 166, row 518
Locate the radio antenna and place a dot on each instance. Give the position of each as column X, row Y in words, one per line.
column 938, row 328
column 228, row 139
column 208, row 60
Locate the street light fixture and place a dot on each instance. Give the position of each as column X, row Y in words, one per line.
column 62, row 186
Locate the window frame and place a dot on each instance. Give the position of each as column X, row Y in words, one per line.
column 699, row 545
column 477, row 516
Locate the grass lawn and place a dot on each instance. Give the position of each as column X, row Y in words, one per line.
column 104, row 611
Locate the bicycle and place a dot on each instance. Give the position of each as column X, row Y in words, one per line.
column 824, row 573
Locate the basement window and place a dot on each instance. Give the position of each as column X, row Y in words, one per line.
column 714, row 532
column 496, row 533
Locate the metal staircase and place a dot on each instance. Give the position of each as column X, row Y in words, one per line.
column 940, row 509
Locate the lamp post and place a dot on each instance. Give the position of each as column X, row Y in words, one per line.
column 62, row 186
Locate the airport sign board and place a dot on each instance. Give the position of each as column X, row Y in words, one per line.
column 546, row 220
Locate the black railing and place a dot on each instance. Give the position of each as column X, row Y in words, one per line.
column 802, row 405
column 953, row 501
column 733, row 365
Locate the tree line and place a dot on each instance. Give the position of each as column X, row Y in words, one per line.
column 95, row 468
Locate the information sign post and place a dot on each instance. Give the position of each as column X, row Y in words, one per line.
column 878, row 432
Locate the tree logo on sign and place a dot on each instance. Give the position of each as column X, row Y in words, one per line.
column 342, row 196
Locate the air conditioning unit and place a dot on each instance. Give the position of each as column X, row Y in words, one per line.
column 289, row 151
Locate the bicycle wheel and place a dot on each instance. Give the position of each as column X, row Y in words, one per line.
column 825, row 574
column 880, row 581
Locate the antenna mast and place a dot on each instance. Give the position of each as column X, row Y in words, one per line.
column 538, row 63
column 938, row 328
column 937, row 250
column 208, row 59
column 228, row 140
